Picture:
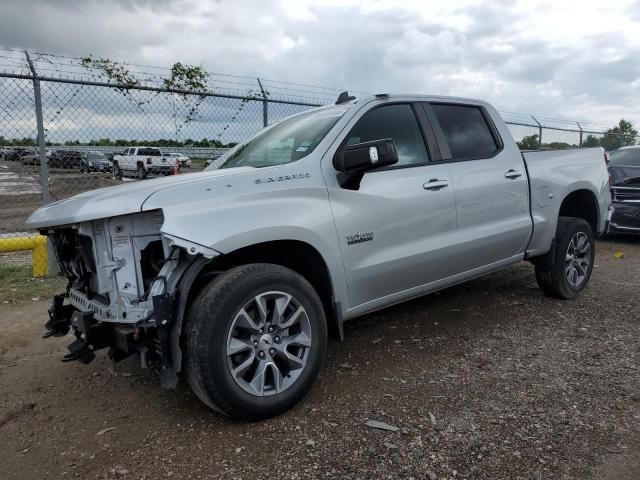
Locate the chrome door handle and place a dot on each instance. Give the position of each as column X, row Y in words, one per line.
column 435, row 184
column 512, row 174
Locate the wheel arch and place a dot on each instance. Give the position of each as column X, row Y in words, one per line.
column 581, row 203
column 299, row 256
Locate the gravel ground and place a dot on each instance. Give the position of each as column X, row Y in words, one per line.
column 487, row 380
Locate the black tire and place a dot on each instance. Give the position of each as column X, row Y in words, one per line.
column 207, row 328
column 141, row 172
column 550, row 268
column 117, row 171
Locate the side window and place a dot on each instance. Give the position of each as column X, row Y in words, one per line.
column 466, row 131
column 397, row 122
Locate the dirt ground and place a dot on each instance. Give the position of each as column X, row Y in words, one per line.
column 487, row 380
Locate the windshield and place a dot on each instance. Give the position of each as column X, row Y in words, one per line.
column 629, row 157
column 96, row 156
column 285, row 142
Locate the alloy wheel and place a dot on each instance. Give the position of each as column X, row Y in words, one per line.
column 578, row 259
column 269, row 343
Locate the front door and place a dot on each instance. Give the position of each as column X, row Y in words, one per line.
column 395, row 231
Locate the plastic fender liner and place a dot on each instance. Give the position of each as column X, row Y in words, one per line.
column 169, row 380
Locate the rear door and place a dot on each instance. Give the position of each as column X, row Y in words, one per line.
column 490, row 181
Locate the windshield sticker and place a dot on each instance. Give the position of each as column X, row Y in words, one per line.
column 302, row 149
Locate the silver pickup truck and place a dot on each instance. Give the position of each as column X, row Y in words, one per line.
column 234, row 276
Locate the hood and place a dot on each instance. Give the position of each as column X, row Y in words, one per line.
column 625, row 175
column 118, row 200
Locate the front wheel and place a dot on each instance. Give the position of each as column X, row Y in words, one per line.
column 117, row 171
column 255, row 340
column 566, row 269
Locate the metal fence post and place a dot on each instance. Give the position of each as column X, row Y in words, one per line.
column 580, row 127
column 539, row 131
column 44, row 167
column 265, row 105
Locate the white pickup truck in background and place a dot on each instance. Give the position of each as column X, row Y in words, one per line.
column 143, row 161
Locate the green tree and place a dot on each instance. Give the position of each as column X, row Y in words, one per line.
column 590, row 141
column 621, row 135
column 530, row 142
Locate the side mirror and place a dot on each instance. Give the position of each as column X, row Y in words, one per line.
column 355, row 160
column 366, row 156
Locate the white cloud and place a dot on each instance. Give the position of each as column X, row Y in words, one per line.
column 572, row 59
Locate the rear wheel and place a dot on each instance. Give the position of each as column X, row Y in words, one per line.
column 566, row 269
column 255, row 340
column 141, row 172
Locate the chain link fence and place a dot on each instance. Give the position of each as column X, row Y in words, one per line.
column 77, row 113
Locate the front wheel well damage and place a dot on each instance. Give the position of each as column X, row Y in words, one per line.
column 300, row 257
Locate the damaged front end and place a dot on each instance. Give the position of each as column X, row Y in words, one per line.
column 625, row 197
column 123, row 275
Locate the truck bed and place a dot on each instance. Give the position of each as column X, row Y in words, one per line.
column 552, row 176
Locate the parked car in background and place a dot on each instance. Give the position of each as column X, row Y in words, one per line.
column 95, row 162
column 14, row 154
column 32, row 157
column 233, row 276
column 66, row 159
column 624, row 171
column 142, row 161
column 182, row 159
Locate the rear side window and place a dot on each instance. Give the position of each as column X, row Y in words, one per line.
column 466, row 131
column 150, row 152
column 397, row 122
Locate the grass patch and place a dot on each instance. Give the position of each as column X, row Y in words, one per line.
column 17, row 284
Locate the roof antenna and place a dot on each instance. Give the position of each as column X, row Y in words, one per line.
column 344, row 97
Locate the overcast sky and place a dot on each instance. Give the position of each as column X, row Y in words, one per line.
column 572, row 59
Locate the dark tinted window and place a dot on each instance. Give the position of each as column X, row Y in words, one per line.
column 149, row 152
column 397, row 122
column 629, row 157
column 466, row 131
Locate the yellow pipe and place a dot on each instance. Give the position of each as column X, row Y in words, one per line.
column 38, row 246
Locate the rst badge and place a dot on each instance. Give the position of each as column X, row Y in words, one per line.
column 359, row 238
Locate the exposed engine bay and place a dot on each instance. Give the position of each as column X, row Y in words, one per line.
column 122, row 273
